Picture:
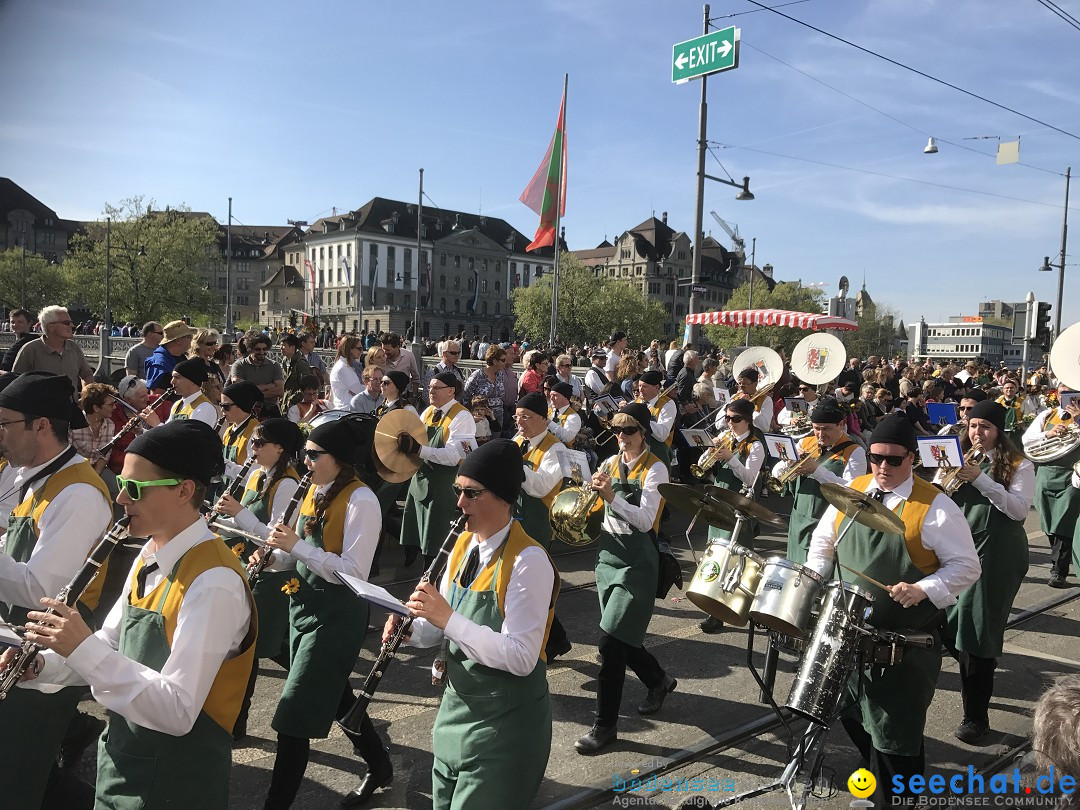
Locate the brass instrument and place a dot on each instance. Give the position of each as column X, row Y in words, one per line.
column 950, row 480
column 69, row 595
column 710, row 457
column 759, row 397
column 574, row 517
column 799, row 427
column 257, row 567
column 776, row 483
column 603, row 438
column 1051, row 448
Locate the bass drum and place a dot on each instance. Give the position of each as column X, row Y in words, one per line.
column 364, row 460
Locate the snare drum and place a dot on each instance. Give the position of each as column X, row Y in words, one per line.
column 786, row 594
column 831, row 652
column 725, row 582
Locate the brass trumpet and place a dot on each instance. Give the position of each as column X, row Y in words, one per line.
column 710, row 456
column 950, row 479
column 776, row 483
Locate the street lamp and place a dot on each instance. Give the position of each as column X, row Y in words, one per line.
column 105, row 335
column 1047, row 267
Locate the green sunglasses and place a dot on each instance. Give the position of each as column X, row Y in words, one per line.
column 134, row 488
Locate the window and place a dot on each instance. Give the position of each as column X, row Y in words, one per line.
column 442, row 282
column 624, row 253
column 483, row 308
column 457, row 262
column 457, row 282
column 497, row 308
column 348, row 250
column 682, row 254
column 346, row 298
column 339, row 298
column 389, row 299
column 442, row 260
column 472, row 263
column 470, row 283
column 483, row 285
column 408, row 300
column 390, row 261
column 408, row 267
column 442, row 306
column 498, row 286
column 457, row 305
column 484, row 266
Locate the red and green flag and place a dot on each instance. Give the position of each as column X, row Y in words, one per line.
column 546, row 192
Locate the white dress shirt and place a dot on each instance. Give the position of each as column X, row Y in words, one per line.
column 9, row 494
column 619, row 516
column 762, row 418
column 593, row 380
column 515, row 648
column 944, row 531
column 204, row 411
column 662, row 424
column 568, row 432
column 1036, row 429
column 344, row 384
column 755, row 457
column 1015, row 501
column 71, row 525
column 541, row 481
column 363, row 525
column 245, row 519
column 785, row 415
column 210, row 629
column 451, row 454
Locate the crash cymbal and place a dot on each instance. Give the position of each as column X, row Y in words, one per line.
column 690, row 500
column 862, row 508
column 386, row 435
column 750, row 508
column 392, row 476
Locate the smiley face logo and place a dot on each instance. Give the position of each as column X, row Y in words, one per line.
column 861, row 783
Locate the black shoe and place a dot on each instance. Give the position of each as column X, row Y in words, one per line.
column 83, row 730
column 599, row 737
column 655, row 699
column 410, row 555
column 1057, row 581
column 971, row 732
column 711, row 625
column 553, row 651
column 239, row 730
column 377, row 777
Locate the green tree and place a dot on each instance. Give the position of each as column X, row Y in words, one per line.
column 785, row 295
column 590, row 308
column 875, row 335
column 160, row 263
column 32, row 281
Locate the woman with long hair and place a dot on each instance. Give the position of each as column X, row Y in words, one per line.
column 344, row 381
column 275, row 444
column 995, row 496
column 628, row 368
column 337, row 532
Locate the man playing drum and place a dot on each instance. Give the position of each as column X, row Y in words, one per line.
column 925, row 571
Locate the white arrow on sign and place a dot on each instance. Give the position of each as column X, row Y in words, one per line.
column 680, row 63
column 724, row 49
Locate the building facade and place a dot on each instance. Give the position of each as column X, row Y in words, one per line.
column 258, row 254
column 27, row 223
column 963, row 338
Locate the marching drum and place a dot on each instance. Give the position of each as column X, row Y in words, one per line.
column 786, row 594
column 830, row 654
column 725, row 582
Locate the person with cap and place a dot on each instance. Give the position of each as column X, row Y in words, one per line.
column 808, row 394
column 565, row 421
column 664, row 412
column 173, row 655
column 925, row 570
column 740, row 454
column 394, row 386
column 56, row 350
column 451, row 435
column 827, row 456
column 596, row 378
column 187, row 379
column 617, row 345
column 336, row 532
column 995, row 496
column 1014, row 408
column 241, row 404
column 747, row 382
column 173, row 348
column 627, row 568
column 492, row 610
column 276, row 445
column 1057, row 502
column 62, row 510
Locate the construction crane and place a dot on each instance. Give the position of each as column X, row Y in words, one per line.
column 737, row 242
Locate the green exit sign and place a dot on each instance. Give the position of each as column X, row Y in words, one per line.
column 704, row 55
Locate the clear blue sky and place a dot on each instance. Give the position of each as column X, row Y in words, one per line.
column 294, row 108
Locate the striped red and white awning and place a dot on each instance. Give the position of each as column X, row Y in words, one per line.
column 772, row 317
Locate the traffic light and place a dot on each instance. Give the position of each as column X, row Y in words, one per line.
column 1042, row 325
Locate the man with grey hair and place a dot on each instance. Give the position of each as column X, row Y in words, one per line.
column 564, row 368
column 450, row 352
column 135, row 361
column 55, row 352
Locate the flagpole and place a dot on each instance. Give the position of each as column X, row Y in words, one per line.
column 417, row 346
column 553, row 331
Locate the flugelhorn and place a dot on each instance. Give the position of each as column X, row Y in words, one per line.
column 709, row 458
column 776, row 483
column 950, row 478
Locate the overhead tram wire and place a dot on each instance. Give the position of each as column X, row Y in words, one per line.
column 1060, row 12
column 916, row 71
column 891, row 117
column 889, row 176
column 755, row 10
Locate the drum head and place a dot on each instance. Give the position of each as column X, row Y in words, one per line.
column 818, row 358
column 1065, row 357
column 769, row 366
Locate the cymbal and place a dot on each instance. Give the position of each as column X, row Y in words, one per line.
column 386, row 433
column 740, row 503
column 862, row 508
column 391, row 476
column 690, row 500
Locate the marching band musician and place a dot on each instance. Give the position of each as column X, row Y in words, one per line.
column 1014, row 408
column 63, row 509
column 664, row 412
column 808, row 393
column 337, row 530
column 931, row 565
column 1002, row 486
column 171, row 660
column 276, row 443
column 763, row 404
column 492, row 609
column 596, row 378
column 394, row 386
column 543, row 481
column 833, row 459
column 394, row 396
column 240, row 403
column 1057, row 502
column 187, row 379
column 626, row 572
column 430, row 502
column 565, row 421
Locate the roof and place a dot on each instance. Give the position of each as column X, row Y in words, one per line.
column 653, row 239
column 285, row 276
column 13, row 196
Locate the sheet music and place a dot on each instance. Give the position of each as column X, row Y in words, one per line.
column 376, row 595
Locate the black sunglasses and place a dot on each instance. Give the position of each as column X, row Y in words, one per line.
column 472, row 493
column 892, row 461
column 625, row 430
column 315, row 455
column 733, row 418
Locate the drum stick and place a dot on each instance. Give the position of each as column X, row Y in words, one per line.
column 864, row 576
column 387, row 435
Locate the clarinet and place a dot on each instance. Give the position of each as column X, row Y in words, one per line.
column 132, row 423
column 69, row 595
column 234, row 489
column 256, row 568
column 352, row 719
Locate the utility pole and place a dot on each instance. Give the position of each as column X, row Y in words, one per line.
column 699, row 207
column 1061, row 267
column 417, row 344
column 228, row 272
column 750, row 298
